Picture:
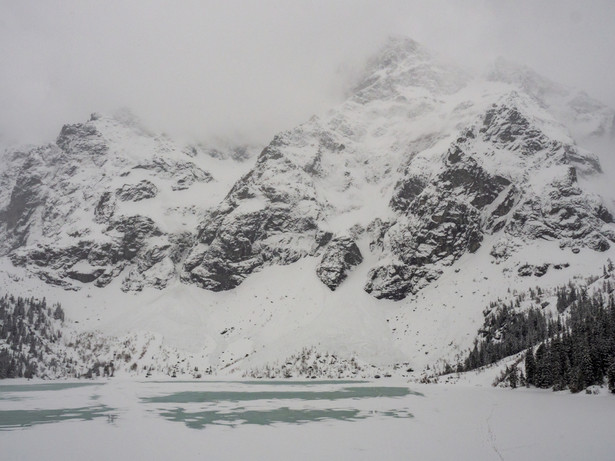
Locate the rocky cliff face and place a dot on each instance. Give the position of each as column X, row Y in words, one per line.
column 496, row 164
column 503, row 176
column 269, row 217
column 420, row 166
column 96, row 204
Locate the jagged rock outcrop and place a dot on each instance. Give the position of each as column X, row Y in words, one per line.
column 269, row 217
column 472, row 194
column 183, row 173
column 135, row 192
column 69, row 218
column 340, row 257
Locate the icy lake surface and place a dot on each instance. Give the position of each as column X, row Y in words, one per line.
column 310, row 419
column 229, row 403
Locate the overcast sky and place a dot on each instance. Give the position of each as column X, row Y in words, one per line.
column 247, row 69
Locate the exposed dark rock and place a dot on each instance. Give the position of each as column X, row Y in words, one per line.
column 135, row 192
column 504, row 124
column 405, row 192
column 502, row 250
column 604, row 214
column 447, row 228
column 109, row 274
column 26, row 197
column 135, row 230
column 507, row 204
column 377, row 230
column 323, row 238
column 446, row 199
column 278, row 224
column 103, row 212
column 527, row 270
column 561, row 266
column 85, row 277
column 396, row 281
column 48, row 193
column 180, row 244
column 247, row 242
column 183, row 173
column 340, row 256
column 472, row 180
column 83, row 139
column 597, row 242
column 455, row 153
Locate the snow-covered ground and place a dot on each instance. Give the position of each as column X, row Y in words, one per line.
column 382, row 419
column 282, row 309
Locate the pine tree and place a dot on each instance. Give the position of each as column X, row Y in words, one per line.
column 587, row 367
column 540, row 375
column 530, row 368
column 513, row 377
column 58, row 314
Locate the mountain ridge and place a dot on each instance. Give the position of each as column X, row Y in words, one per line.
column 366, row 219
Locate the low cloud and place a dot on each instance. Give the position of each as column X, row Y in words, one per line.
column 244, row 70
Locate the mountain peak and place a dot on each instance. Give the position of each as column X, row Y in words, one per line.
column 585, row 117
column 397, row 49
column 402, row 64
column 527, row 79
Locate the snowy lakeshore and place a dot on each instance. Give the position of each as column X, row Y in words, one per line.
column 291, row 419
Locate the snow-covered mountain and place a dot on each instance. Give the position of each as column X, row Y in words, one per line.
column 106, row 198
column 422, row 163
column 378, row 230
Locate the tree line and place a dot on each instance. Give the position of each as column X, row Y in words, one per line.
column 583, row 353
column 571, row 349
column 27, row 327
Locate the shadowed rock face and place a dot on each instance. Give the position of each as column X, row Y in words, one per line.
column 405, row 193
column 396, row 281
column 135, row 192
column 99, row 262
column 269, row 217
column 184, row 173
column 480, row 185
column 26, row 197
column 448, row 215
column 64, row 218
column 340, row 257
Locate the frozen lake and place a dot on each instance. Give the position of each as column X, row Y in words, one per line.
column 123, row 419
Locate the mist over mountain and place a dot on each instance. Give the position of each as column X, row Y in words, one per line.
column 244, row 70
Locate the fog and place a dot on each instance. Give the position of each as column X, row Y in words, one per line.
column 243, row 70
